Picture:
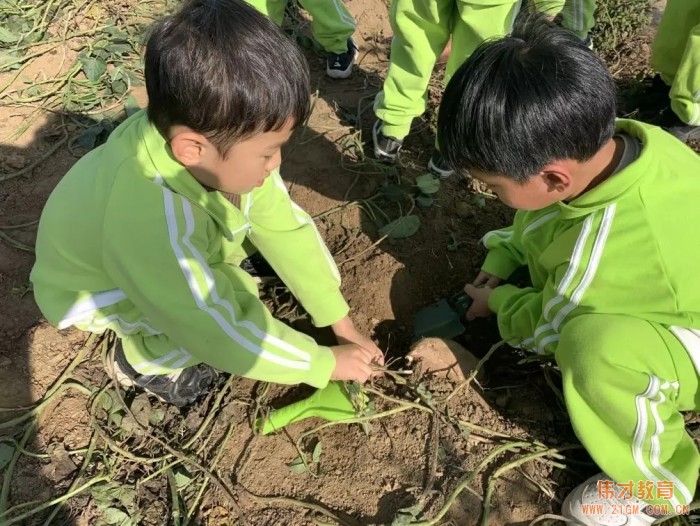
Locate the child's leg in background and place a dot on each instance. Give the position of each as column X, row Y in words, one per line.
column 331, row 23
column 676, row 56
column 576, row 15
column 421, row 31
column 475, row 22
column 274, row 9
column 625, row 382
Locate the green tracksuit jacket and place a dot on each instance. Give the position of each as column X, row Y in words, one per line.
column 130, row 241
column 615, row 296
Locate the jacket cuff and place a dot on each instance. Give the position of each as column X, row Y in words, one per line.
column 322, row 367
column 501, row 295
column 328, row 312
column 498, row 265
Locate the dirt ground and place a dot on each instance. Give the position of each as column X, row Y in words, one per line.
column 413, row 459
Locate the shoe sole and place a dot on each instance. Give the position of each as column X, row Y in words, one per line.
column 380, row 154
column 344, row 73
column 438, row 172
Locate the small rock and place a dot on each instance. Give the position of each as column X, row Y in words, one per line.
column 61, row 463
column 502, row 400
column 16, row 161
column 463, row 209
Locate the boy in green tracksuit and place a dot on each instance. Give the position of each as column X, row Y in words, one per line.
column 144, row 235
column 332, row 26
column 606, row 225
column 676, row 56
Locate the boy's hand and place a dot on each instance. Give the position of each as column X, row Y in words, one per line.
column 352, row 363
column 484, row 278
column 346, row 333
column 480, row 304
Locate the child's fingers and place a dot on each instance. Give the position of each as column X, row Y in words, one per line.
column 480, row 279
column 493, row 282
column 363, row 372
column 470, row 290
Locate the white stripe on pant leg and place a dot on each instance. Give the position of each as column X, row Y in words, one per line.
column 186, row 357
column 695, row 119
column 655, row 453
column 146, row 365
column 86, row 307
column 690, row 339
column 641, row 431
column 342, row 13
column 514, row 14
column 642, row 424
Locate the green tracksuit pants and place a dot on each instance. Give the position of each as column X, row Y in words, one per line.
column 626, row 381
column 576, row 15
column 421, row 31
column 331, row 23
column 676, row 56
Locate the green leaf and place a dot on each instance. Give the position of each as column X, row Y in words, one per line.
column 6, row 453
column 404, row 226
column 157, row 416
column 317, row 452
column 7, row 37
column 424, row 201
column 428, row 184
column 297, row 465
column 114, row 516
column 182, row 478
column 424, row 392
column 116, row 418
column 406, row 516
column 94, row 68
column 395, row 192
column 119, row 49
column 6, row 57
column 141, row 407
column 118, row 87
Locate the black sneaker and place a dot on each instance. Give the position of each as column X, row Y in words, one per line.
column 651, row 96
column 385, row 148
column 180, row 388
column 588, row 42
column 676, row 127
column 258, row 267
column 438, row 167
column 339, row 65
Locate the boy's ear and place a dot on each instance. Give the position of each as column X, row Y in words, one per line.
column 188, row 147
column 557, row 177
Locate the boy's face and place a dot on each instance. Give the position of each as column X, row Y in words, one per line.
column 247, row 165
column 538, row 192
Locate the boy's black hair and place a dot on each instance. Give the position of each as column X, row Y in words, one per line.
column 523, row 101
column 224, row 70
